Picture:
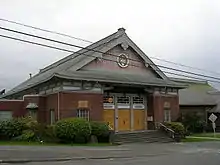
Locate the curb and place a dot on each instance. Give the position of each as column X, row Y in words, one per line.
column 41, row 160
column 76, row 158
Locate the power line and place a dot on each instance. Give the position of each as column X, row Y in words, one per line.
column 187, row 66
column 66, row 50
column 81, row 39
column 35, row 43
column 45, row 30
column 64, row 43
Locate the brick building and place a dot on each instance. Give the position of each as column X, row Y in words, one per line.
column 111, row 80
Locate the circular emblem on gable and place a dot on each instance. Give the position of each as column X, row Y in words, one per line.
column 123, row 60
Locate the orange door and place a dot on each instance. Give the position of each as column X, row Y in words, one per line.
column 124, row 120
column 139, row 122
column 109, row 116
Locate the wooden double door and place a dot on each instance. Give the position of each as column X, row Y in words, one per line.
column 128, row 113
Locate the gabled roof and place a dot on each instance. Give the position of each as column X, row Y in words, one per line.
column 116, row 77
column 197, row 93
column 70, row 65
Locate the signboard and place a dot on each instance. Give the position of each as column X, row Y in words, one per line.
column 82, row 104
column 212, row 117
column 166, row 104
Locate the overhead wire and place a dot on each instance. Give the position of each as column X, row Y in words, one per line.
column 45, row 30
column 64, row 43
column 85, row 40
column 66, row 50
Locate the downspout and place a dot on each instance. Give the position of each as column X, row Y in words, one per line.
column 58, row 105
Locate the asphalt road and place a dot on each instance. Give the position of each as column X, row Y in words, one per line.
column 172, row 159
column 176, row 154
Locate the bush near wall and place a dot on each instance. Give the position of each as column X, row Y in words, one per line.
column 177, row 127
column 11, row 128
column 100, row 130
column 193, row 123
column 26, row 129
column 73, row 130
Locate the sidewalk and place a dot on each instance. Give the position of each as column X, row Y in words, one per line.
column 22, row 154
column 200, row 137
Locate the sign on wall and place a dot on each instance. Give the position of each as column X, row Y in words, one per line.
column 83, row 104
column 166, row 104
column 123, row 60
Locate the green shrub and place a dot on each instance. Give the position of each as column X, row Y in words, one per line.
column 11, row 128
column 101, row 131
column 72, row 129
column 29, row 122
column 27, row 135
column 193, row 122
column 99, row 128
column 177, row 127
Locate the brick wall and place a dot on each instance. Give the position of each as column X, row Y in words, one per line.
column 69, row 104
column 156, row 106
column 51, row 102
column 17, row 107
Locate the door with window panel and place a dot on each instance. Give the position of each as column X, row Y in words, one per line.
column 139, row 113
column 124, row 113
column 109, row 111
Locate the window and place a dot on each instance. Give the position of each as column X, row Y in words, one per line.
column 167, row 116
column 138, row 100
column 123, row 100
column 108, row 100
column 33, row 114
column 5, row 115
column 52, row 116
column 83, row 113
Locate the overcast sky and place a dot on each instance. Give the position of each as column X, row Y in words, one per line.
column 183, row 31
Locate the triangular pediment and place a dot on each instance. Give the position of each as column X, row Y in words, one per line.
column 86, row 59
column 120, row 55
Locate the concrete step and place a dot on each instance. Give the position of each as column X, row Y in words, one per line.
column 144, row 137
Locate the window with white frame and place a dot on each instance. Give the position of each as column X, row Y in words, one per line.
column 138, row 100
column 123, row 100
column 83, row 113
column 5, row 115
column 167, row 115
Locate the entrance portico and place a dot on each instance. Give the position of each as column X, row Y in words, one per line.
column 125, row 112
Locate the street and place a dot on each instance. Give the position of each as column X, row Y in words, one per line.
column 171, row 159
column 153, row 154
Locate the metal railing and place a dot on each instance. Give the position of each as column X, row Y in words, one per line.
column 167, row 130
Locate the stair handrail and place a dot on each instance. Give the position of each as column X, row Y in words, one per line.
column 170, row 132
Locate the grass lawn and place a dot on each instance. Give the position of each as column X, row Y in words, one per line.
column 2, row 143
column 217, row 135
column 192, row 139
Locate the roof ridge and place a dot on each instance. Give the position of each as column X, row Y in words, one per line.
column 74, row 55
column 50, row 70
